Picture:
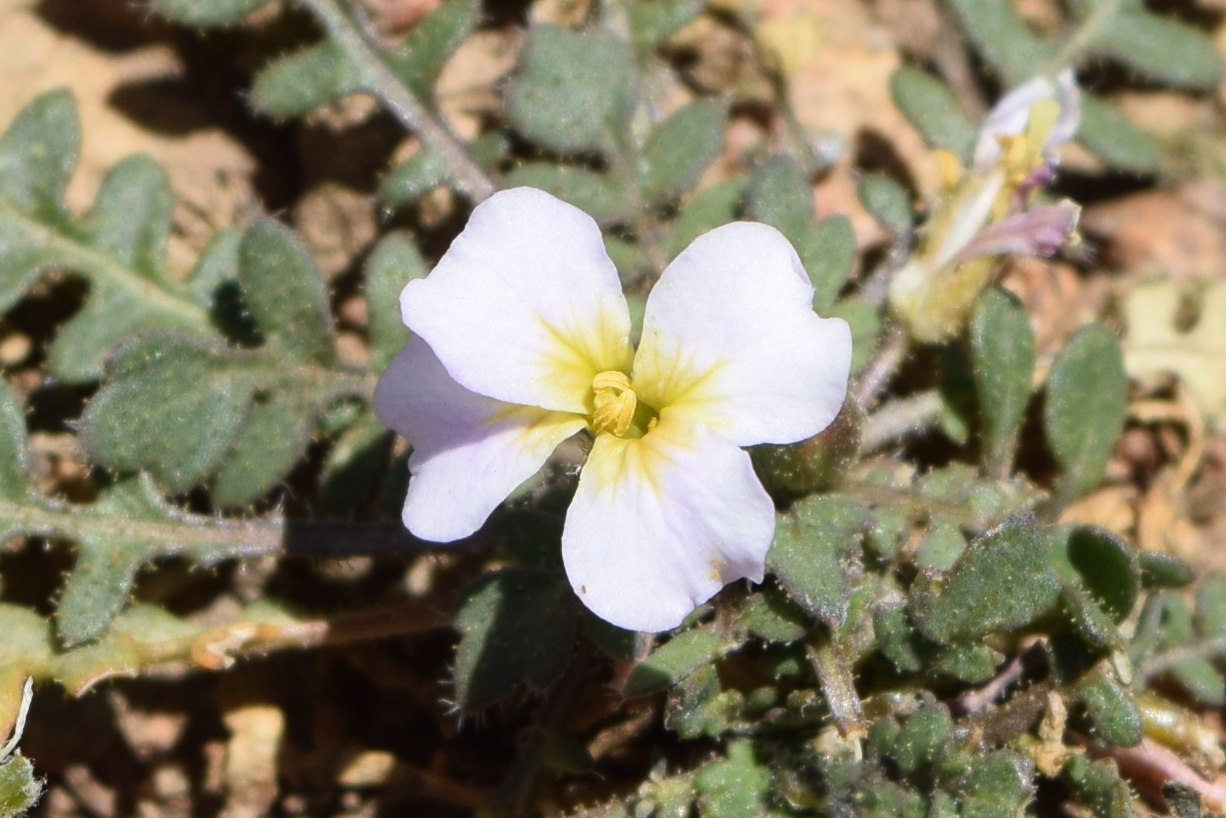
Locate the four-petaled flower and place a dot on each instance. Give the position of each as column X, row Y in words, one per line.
column 522, row 339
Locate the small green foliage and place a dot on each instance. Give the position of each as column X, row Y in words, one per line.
column 1100, row 786
column 733, row 787
column 706, row 210
column 771, row 616
column 1159, row 48
column 38, row 154
column 653, row 21
column 1107, row 567
column 186, row 409
column 572, row 90
column 677, row 658
column 680, row 149
column 599, row 195
column 921, row 737
column 20, row 788
column 303, row 81
column 1107, row 133
column 1160, row 570
column 1086, row 402
column 517, row 626
column 779, row 195
column 413, row 178
column 393, row 263
column 206, row 12
column 812, row 543
column 1003, row 581
column 1000, row 784
column 1112, row 713
column 933, row 110
column 1002, row 356
column 419, row 58
column 888, row 202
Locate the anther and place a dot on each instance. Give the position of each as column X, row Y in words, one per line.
column 613, row 402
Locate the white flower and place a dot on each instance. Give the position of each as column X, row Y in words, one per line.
column 522, row 339
column 1011, row 115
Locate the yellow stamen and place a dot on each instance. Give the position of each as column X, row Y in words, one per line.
column 613, row 403
column 950, row 167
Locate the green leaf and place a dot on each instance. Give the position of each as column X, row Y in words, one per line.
column 1211, row 607
column 413, row 178
column 173, row 405
column 599, row 195
column 887, row 201
column 420, row 57
column 393, row 263
column 14, row 457
column 275, row 431
column 1161, row 49
column 771, row 616
column 680, row 149
column 827, row 248
column 1107, row 567
column 973, row 664
column 999, row 785
column 1003, row 581
column 573, row 89
column 206, row 12
column 677, row 658
column 811, row 542
column 1108, row 134
column 708, row 209
column 216, row 267
column 1109, row 707
column 733, row 787
column 866, row 327
column 517, row 626
column 654, row 21
column 355, row 468
column 38, row 153
column 1086, row 402
column 1100, row 786
column 19, row 788
column 1002, row 360
column 922, row 736
column 119, row 249
column 285, row 293
column 1159, row 570
column 305, row 80
column 1003, row 37
column 898, row 640
column 131, row 217
column 779, row 195
column 932, row 109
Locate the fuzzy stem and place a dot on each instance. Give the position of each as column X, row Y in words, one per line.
column 883, row 366
column 1162, row 662
column 901, row 418
column 468, row 179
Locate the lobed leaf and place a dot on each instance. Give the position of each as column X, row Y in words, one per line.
column 680, row 149
column 1002, row 358
column 1086, row 402
column 572, row 90
column 808, row 552
column 517, row 626
column 932, row 109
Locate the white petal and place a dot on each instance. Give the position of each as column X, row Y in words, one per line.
column 662, row 522
column 731, row 340
column 1011, row 113
column 525, row 306
column 469, row 451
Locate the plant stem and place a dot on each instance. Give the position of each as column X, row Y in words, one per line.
column 839, row 689
column 1081, row 38
column 468, row 179
column 901, row 418
column 1161, row 662
column 883, row 366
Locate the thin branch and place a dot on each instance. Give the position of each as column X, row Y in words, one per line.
column 1161, row 662
column 901, row 418
column 383, row 83
column 883, row 366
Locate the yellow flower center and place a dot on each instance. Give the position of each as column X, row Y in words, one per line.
column 613, row 403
